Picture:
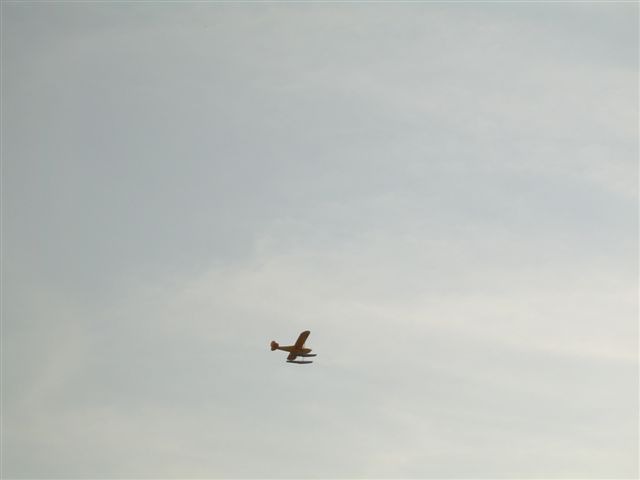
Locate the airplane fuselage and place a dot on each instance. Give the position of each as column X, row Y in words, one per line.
column 293, row 349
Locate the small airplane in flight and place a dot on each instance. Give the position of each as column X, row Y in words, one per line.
column 297, row 350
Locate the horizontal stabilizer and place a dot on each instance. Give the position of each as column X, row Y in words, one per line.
column 299, row 361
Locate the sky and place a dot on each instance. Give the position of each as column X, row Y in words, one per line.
column 445, row 194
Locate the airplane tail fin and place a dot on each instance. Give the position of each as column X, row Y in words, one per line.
column 274, row 345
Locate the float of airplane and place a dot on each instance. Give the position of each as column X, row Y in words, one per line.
column 296, row 350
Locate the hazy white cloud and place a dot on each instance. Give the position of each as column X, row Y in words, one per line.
column 445, row 195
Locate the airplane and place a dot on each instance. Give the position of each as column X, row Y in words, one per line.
column 297, row 350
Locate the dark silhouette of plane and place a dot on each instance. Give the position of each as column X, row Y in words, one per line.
column 297, row 350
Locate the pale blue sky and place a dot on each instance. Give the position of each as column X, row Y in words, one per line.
column 445, row 194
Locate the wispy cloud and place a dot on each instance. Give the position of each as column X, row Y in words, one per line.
column 445, row 195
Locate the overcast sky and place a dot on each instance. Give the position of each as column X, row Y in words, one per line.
column 445, row 194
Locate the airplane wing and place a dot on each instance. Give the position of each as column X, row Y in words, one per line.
column 302, row 338
column 291, row 356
